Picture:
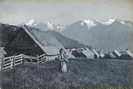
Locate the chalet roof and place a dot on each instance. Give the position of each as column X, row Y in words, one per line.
column 48, row 43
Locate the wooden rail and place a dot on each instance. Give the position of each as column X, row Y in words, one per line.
column 44, row 58
column 12, row 61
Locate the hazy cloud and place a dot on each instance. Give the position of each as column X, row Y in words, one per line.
column 64, row 12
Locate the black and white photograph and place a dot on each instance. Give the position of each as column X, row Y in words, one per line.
column 66, row 44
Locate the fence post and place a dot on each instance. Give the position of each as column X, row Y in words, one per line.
column 12, row 62
column 22, row 59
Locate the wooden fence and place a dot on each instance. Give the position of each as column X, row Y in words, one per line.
column 12, row 61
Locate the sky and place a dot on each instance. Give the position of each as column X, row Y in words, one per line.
column 64, row 11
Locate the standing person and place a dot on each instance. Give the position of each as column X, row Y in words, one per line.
column 63, row 58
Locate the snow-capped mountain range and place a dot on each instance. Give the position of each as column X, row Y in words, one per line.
column 86, row 22
column 45, row 26
column 107, row 35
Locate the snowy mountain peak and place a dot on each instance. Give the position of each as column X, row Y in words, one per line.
column 88, row 22
column 31, row 22
column 109, row 21
column 122, row 22
column 50, row 25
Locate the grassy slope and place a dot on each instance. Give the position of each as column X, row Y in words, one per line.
column 91, row 74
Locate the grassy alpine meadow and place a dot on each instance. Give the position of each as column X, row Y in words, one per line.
column 82, row 74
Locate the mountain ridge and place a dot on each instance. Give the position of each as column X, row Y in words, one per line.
column 117, row 34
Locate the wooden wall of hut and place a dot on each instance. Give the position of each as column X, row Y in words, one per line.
column 23, row 44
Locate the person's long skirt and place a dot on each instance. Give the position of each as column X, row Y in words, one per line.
column 63, row 67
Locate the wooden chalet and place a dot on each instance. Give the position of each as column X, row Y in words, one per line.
column 32, row 41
